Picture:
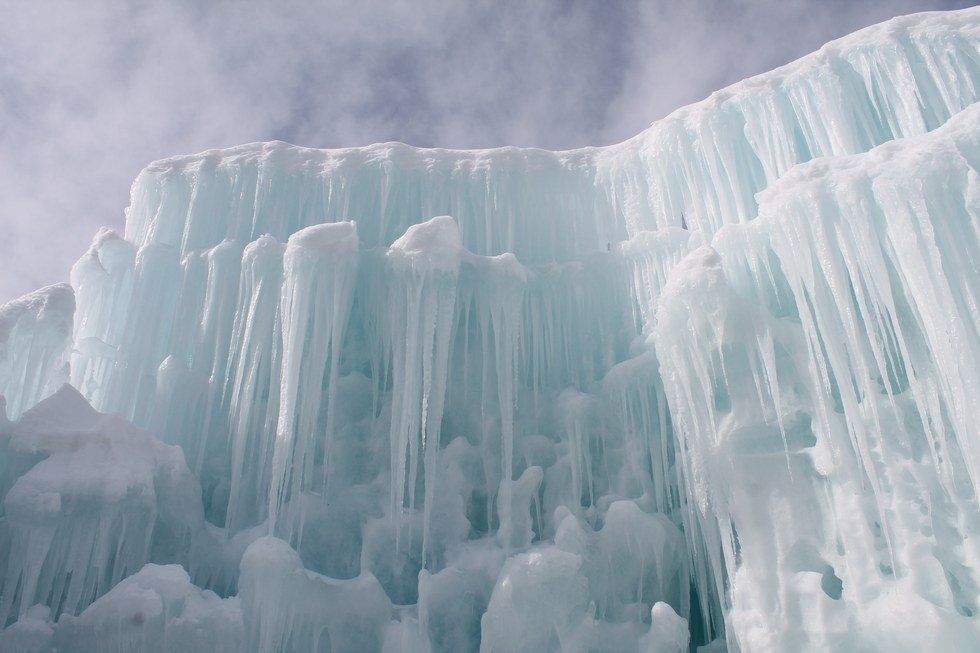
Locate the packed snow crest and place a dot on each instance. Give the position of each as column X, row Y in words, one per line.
column 713, row 388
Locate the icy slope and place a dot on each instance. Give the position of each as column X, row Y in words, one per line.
column 640, row 397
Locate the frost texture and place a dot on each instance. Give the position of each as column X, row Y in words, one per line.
column 713, row 386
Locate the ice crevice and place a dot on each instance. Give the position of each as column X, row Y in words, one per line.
column 713, row 386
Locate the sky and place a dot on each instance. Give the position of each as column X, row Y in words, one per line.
column 91, row 92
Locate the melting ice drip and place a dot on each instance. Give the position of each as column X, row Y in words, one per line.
column 684, row 389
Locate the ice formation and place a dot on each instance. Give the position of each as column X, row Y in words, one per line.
column 35, row 332
column 714, row 386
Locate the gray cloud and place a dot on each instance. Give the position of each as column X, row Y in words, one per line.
column 91, row 92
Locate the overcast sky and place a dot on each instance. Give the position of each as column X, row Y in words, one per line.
column 90, row 92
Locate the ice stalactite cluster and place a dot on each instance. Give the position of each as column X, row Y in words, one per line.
column 712, row 386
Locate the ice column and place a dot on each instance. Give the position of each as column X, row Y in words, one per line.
column 634, row 393
column 424, row 265
column 251, row 392
column 699, row 321
column 499, row 297
column 103, row 282
column 649, row 257
column 145, row 338
column 320, row 270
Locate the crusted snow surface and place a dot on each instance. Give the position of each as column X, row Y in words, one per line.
column 714, row 387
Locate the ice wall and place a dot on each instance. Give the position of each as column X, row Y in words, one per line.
column 858, row 352
column 639, row 397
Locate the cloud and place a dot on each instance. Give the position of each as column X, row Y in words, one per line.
column 91, row 92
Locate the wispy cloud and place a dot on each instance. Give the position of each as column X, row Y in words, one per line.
column 91, row 92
